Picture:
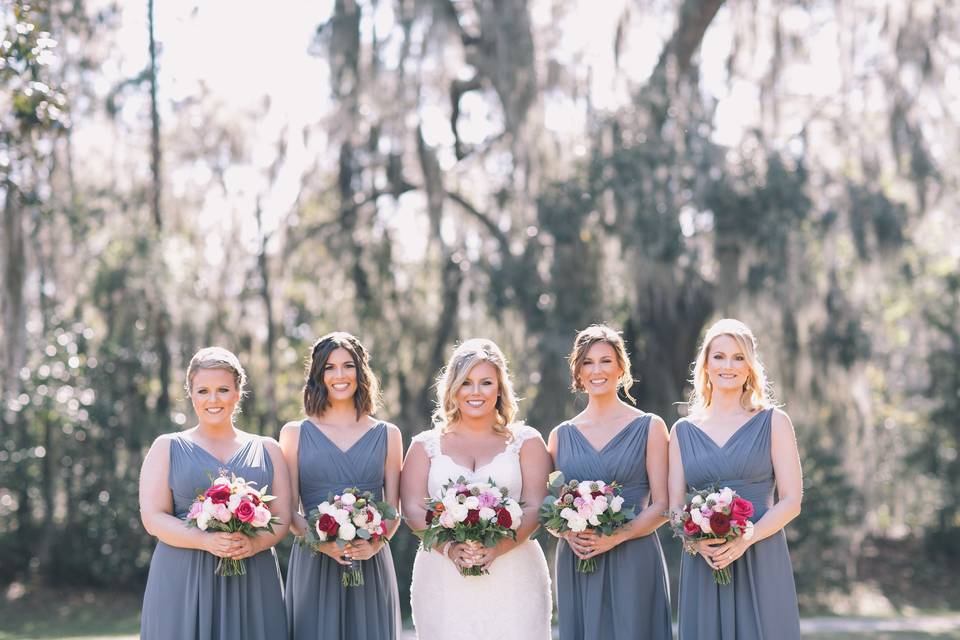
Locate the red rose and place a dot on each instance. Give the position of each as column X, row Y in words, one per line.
column 255, row 498
column 369, row 515
column 596, row 494
column 219, row 493
column 720, row 523
column 429, row 518
column 690, row 527
column 740, row 510
column 328, row 525
column 473, row 516
column 245, row 511
column 504, row 519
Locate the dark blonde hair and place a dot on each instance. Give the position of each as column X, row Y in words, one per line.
column 367, row 397
column 756, row 392
column 590, row 336
column 216, row 358
column 465, row 357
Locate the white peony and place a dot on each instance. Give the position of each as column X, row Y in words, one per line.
column 726, row 495
column 616, row 504
column 487, row 514
column 696, row 501
column 594, row 520
column 600, row 504
column 472, row 502
column 347, row 531
column 447, row 520
column 348, row 499
column 515, row 511
column 360, row 518
column 458, row 511
column 203, row 521
column 342, row 516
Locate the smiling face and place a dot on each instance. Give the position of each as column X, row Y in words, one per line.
column 600, row 370
column 214, row 396
column 340, row 375
column 727, row 366
column 477, row 395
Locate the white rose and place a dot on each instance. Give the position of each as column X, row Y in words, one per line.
column 616, row 504
column 696, row 516
column 600, row 504
column 360, row 518
column 568, row 514
column 696, row 501
column 222, row 480
column 203, row 520
column 726, row 495
column 594, row 520
column 347, row 499
column 458, row 511
column 472, row 502
column 347, row 531
column 447, row 520
column 487, row 514
column 233, row 502
column 748, row 531
column 584, row 489
column 577, row 523
column 516, row 513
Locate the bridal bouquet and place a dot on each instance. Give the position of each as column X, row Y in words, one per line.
column 584, row 504
column 714, row 513
column 471, row 512
column 346, row 517
column 232, row 505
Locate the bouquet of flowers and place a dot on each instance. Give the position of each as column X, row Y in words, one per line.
column 714, row 513
column 345, row 517
column 471, row 512
column 232, row 505
column 579, row 505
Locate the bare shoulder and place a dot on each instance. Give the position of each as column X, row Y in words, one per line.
column 780, row 421
column 392, row 429
column 161, row 443
column 292, row 427
column 270, row 444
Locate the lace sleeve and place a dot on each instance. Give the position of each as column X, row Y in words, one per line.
column 521, row 433
column 430, row 439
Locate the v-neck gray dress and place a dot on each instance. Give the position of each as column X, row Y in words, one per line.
column 184, row 598
column 761, row 601
column 318, row 605
column 627, row 597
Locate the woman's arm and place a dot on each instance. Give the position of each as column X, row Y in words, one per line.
column 156, row 508
column 413, row 487
column 289, row 446
column 677, row 494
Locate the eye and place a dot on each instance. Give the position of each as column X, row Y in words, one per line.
column 351, row 365
column 327, row 367
column 223, row 390
column 201, row 391
column 718, row 356
column 740, row 357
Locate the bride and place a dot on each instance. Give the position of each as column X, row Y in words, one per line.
column 474, row 437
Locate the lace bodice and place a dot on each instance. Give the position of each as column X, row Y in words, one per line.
column 503, row 469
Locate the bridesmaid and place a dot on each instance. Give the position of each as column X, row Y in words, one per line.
column 627, row 596
column 734, row 436
column 184, row 598
column 341, row 445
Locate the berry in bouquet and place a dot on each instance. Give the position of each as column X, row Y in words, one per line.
column 478, row 512
column 345, row 517
column 232, row 505
column 713, row 513
column 579, row 505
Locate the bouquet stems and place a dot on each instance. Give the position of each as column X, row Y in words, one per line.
column 473, row 571
column 722, row 576
column 231, row 567
column 351, row 576
column 586, row 565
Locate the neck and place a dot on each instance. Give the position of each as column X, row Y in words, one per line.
column 216, row 431
column 480, row 425
column 601, row 405
column 725, row 402
column 341, row 412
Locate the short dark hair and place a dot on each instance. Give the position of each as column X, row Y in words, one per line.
column 367, row 397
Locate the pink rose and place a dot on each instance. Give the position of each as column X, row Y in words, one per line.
column 261, row 517
column 246, row 511
column 690, row 527
column 741, row 510
column 222, row 513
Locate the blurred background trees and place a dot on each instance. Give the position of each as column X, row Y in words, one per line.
column 417, row 171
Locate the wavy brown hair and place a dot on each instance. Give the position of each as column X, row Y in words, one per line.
column 367, row 397
column 581, row 345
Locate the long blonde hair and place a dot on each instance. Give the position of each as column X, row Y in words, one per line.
column 756, row 393
column 465, row 357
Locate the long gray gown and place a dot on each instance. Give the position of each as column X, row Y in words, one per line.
column 627, row 597
column 761, row 601
column 184, row 599
column 318, row 606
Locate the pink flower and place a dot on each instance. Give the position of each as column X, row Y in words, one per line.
column 195, row 509
column 222, row 513
column 246, row 511
column 489, row 499
column 261, row 516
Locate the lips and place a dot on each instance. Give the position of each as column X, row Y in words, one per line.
column 340, row 386
column 475, row 403
column 215, row 410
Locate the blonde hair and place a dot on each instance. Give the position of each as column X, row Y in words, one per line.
column 756, row 393
column 581, row 346
column 217, row 358
column 465, row 357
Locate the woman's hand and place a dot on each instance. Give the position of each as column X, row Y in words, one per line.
column 245, row 546
column 727, row 553
column 461, row 554
column 332, row 550
column 483, row 556
column 707, row 548
column 595, row 544
column 364, row 549
column 221, row 544
column 579, row 543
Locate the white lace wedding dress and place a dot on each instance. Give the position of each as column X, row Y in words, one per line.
column 513, row 601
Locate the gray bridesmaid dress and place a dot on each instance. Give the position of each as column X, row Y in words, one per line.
column 627, row 597
column 761, row 601
column 318, row 605
column 184, row 599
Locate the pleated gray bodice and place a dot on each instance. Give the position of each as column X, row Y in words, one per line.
column 616, row 461
column 743, row 463
column 193, row 469
column 325, row 469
